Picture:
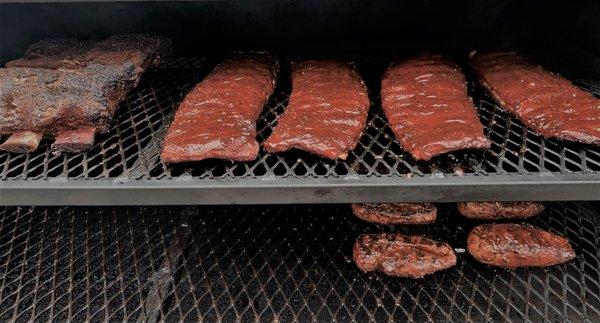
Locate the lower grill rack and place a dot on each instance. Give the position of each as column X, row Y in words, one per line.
column 287, row 263
column 124, row 165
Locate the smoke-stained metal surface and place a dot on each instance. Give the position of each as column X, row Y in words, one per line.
column 283, row 263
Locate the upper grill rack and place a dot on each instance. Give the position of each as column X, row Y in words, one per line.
column 129, row 153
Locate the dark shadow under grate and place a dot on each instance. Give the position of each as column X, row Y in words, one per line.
column 276, row 263
column 130, row 151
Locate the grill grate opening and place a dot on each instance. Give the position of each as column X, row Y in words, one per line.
column 131, row 149
column 270, row 263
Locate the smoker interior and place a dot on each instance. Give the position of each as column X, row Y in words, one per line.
column 124, row 166
column 270, row 263
column 293, row 262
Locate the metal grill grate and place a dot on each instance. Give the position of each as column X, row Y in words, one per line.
column 277, row 263
column 130, row 152
column 131, row 148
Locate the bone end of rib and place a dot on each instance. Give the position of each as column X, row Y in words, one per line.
column 73, row 141
column 22, row 142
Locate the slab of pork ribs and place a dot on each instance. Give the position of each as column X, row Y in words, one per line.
column 426, row 103
column 326, row 113
column 70, row 90
column 217, row 119
column 545, row 102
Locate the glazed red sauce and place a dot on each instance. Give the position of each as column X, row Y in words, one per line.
column 217, row 119
column 398, row 255
column 516, row 245
column 542, row 100
column 327, row 110
column 426, row 103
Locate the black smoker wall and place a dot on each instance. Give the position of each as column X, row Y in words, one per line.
column 313, row 26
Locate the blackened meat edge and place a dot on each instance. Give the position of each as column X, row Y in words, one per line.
column 217, row 119
column 426, row 103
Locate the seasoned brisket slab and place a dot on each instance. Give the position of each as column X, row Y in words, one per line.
column 217, row 119
column 426, row 103
column 327, row 110
column 63, row 86
column 515, row 245
column 402, row 256
column 542, row 100
column 500, row 210
column 396, row 213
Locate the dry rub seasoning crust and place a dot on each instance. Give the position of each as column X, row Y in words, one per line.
column 63, row 85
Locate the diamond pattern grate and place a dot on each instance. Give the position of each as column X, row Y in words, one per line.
column 130, row 151
column 279, row 263
column 79, row 264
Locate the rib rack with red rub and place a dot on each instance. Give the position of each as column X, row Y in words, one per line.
column 327, row 110
column 426, row 103
column 543, row 101
column 217, row 119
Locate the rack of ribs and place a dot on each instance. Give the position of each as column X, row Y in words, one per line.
column 70, row 90
column 327, row 110
column 542, row 100
column 217, row 119
column 426, row 103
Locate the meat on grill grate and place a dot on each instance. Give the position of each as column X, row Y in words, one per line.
column 402, row 256
column 217, row 119
column 500, row 210
column 71, row 89
column 543, row 101
column 426, row 103
column 515, row 245
column 396, row 213
column 326, row 113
